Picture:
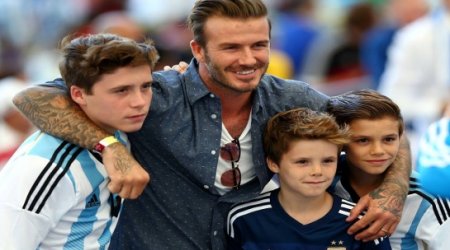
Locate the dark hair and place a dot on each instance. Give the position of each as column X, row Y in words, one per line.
column 87, row 58
column 301, row 123
column 204, row 9
column 363, row 104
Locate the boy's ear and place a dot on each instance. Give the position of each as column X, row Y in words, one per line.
column 77, row 94
column 272, row 165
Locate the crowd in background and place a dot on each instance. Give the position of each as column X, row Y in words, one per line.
column 335, row 45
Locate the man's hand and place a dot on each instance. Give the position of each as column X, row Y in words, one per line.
column 181, row 67
column 127, row 177
column 379, row 220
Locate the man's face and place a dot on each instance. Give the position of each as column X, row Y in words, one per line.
column 236, row 55
column 120, row 100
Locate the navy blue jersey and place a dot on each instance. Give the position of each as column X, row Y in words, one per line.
column 263, row 224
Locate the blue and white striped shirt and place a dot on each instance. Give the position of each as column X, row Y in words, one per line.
column 55, row 196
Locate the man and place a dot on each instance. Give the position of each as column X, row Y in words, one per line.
column 203, row 142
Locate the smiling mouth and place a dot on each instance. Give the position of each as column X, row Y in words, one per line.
column 246, row 72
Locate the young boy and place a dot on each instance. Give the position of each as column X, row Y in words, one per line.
column 54, row 194
column 376, row 125
column 302, row 147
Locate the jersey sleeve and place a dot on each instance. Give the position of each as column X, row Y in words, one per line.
column 32, row 201
column 434, row 227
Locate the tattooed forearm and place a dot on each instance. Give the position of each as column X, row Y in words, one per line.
column 52, row 111
column 392, row 193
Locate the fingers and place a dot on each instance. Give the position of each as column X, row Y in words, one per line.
column 180, row 67
column 373, row 231
column 129, row 187
column 370, row 226
column 356, row 211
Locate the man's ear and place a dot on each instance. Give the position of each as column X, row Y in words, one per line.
column 78, row 95
column 272, row 165
column 197, row 51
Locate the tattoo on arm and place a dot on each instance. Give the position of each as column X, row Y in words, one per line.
column 392, row 193
column 51, row 110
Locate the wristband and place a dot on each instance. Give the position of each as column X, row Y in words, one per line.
column 105, row 142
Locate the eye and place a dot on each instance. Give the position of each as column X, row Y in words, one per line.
column 329, row 160
column 302, row 162
column 390, row 139
column 147, row 85
column 262, row 45
column 121, row 90
column 361, row 140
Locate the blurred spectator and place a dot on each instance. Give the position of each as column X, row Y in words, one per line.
column 344, row 63
column 333, row 63
column 295, row 30
column 417, row 75
column 117, row 22
column 397, row 13
column 14, row 127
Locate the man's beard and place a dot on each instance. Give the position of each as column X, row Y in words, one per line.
column 218, row 76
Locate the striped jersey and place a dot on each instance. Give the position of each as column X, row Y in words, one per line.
column 55, row 196
column 425, row 221
column 262, row 223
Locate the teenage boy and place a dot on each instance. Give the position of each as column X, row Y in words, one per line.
column 54, row 193
column 302, row 147
column 376, row 124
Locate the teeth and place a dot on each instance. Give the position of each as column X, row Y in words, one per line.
column 246, row 72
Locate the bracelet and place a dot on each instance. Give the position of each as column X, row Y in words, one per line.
column 105, row 142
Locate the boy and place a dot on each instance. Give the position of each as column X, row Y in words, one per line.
column 376, row 125
column 55, row 193
column 302, row 147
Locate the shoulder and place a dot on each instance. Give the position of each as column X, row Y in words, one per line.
column 254, row 205
column 290, row 93
column 419, row 199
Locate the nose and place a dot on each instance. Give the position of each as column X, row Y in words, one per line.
column 377, row 148
column 316, row 170
column 139, row 99
column 247, row 57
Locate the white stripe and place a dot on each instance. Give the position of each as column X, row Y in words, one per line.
column 248, row 211
column 256, row 201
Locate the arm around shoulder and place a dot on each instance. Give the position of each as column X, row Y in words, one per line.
column 51, row 110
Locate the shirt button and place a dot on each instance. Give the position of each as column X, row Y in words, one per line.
column 206, row 186
column 215, row 233
column 214, row 116
column 211, row 95
column 213, row 152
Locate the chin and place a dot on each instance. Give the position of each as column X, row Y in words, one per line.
column 130, row 129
